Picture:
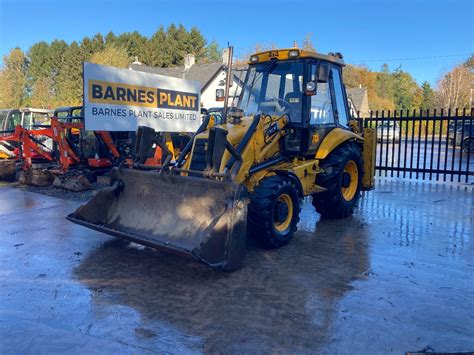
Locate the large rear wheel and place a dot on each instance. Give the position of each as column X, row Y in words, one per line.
column 273, row 212
column 342, row 177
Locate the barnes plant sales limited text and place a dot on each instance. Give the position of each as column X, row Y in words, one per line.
column 122, row 112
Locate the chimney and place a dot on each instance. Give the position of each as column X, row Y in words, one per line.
column 189, row 60
column 136, row 62
column 225, row 56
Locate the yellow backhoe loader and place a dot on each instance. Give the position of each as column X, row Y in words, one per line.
column 291, row 136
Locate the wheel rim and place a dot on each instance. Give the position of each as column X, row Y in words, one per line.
column 283, row 212
column 351, row 173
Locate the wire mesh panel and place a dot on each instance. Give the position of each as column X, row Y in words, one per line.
column 428, row 145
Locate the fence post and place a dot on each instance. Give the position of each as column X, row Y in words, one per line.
column 381, row 140
column 454, row 143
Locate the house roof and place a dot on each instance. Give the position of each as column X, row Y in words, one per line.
column 202, row 73
column 357, row 96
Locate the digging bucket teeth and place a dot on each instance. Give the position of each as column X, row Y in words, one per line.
column 200, row 217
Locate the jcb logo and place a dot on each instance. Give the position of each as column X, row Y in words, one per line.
column 273, row 54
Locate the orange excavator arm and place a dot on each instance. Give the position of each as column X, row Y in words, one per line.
column 67, row 155
column 28, row 146
column 109, row 142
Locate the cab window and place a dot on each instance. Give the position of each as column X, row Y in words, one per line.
column 14, row 119
column 274, row 88
column 28, row 120
column 3, row 119
column 339, row 96
column 41, row 119
column 321, row 111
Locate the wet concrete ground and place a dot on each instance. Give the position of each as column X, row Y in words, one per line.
column 397, row 276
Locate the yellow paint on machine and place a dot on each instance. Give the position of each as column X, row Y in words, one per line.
column 336, row 137
column 369, row 155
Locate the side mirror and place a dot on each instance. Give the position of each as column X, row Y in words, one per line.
column 323, row 73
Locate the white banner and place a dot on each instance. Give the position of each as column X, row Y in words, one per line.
column 122, row 99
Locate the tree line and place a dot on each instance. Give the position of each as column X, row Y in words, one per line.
column 50, row 74
column 397, row 90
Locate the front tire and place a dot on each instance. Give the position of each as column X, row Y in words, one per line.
column 342, row 177
column 273, row 212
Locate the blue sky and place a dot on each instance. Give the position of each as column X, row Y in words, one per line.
column 425, row 37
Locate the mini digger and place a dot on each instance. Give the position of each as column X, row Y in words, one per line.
column 290, row 137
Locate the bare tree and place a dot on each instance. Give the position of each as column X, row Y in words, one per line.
column 308, row 43
column 454, row 88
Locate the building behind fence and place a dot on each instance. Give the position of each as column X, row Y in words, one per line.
column 426, row 144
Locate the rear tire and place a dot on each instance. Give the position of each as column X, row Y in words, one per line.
column 273, row 213
column 343, row 180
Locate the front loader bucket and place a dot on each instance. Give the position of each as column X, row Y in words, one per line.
column 195, row 216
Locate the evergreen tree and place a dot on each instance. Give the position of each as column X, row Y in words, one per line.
column 39, row 65
column 110, row 39
column 406, row 92
column 174, row 53
column 196, row 44
column 89, row 46
column 56, row 62
column 428, row 96
column 213, row 52
column 154, row 53
column 70, row 76
column 385, row 84
column 133, row 42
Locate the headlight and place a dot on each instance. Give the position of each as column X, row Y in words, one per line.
column 310, row 86
column 293, row 53
column 254, row 58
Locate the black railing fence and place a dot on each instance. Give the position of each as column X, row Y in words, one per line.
column 426, row 144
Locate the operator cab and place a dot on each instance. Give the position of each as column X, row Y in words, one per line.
column 304, row 86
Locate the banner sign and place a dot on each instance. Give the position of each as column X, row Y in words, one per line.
column 122, row 99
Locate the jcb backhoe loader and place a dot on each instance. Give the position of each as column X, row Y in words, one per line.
column 291, row 136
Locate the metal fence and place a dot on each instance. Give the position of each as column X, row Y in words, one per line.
column 426, row 144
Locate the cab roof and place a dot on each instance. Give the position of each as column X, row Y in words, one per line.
column 294, row 53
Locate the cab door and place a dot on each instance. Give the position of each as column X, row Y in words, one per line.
column 321, row 104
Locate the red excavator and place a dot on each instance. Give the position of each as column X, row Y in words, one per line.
column 74, row 153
